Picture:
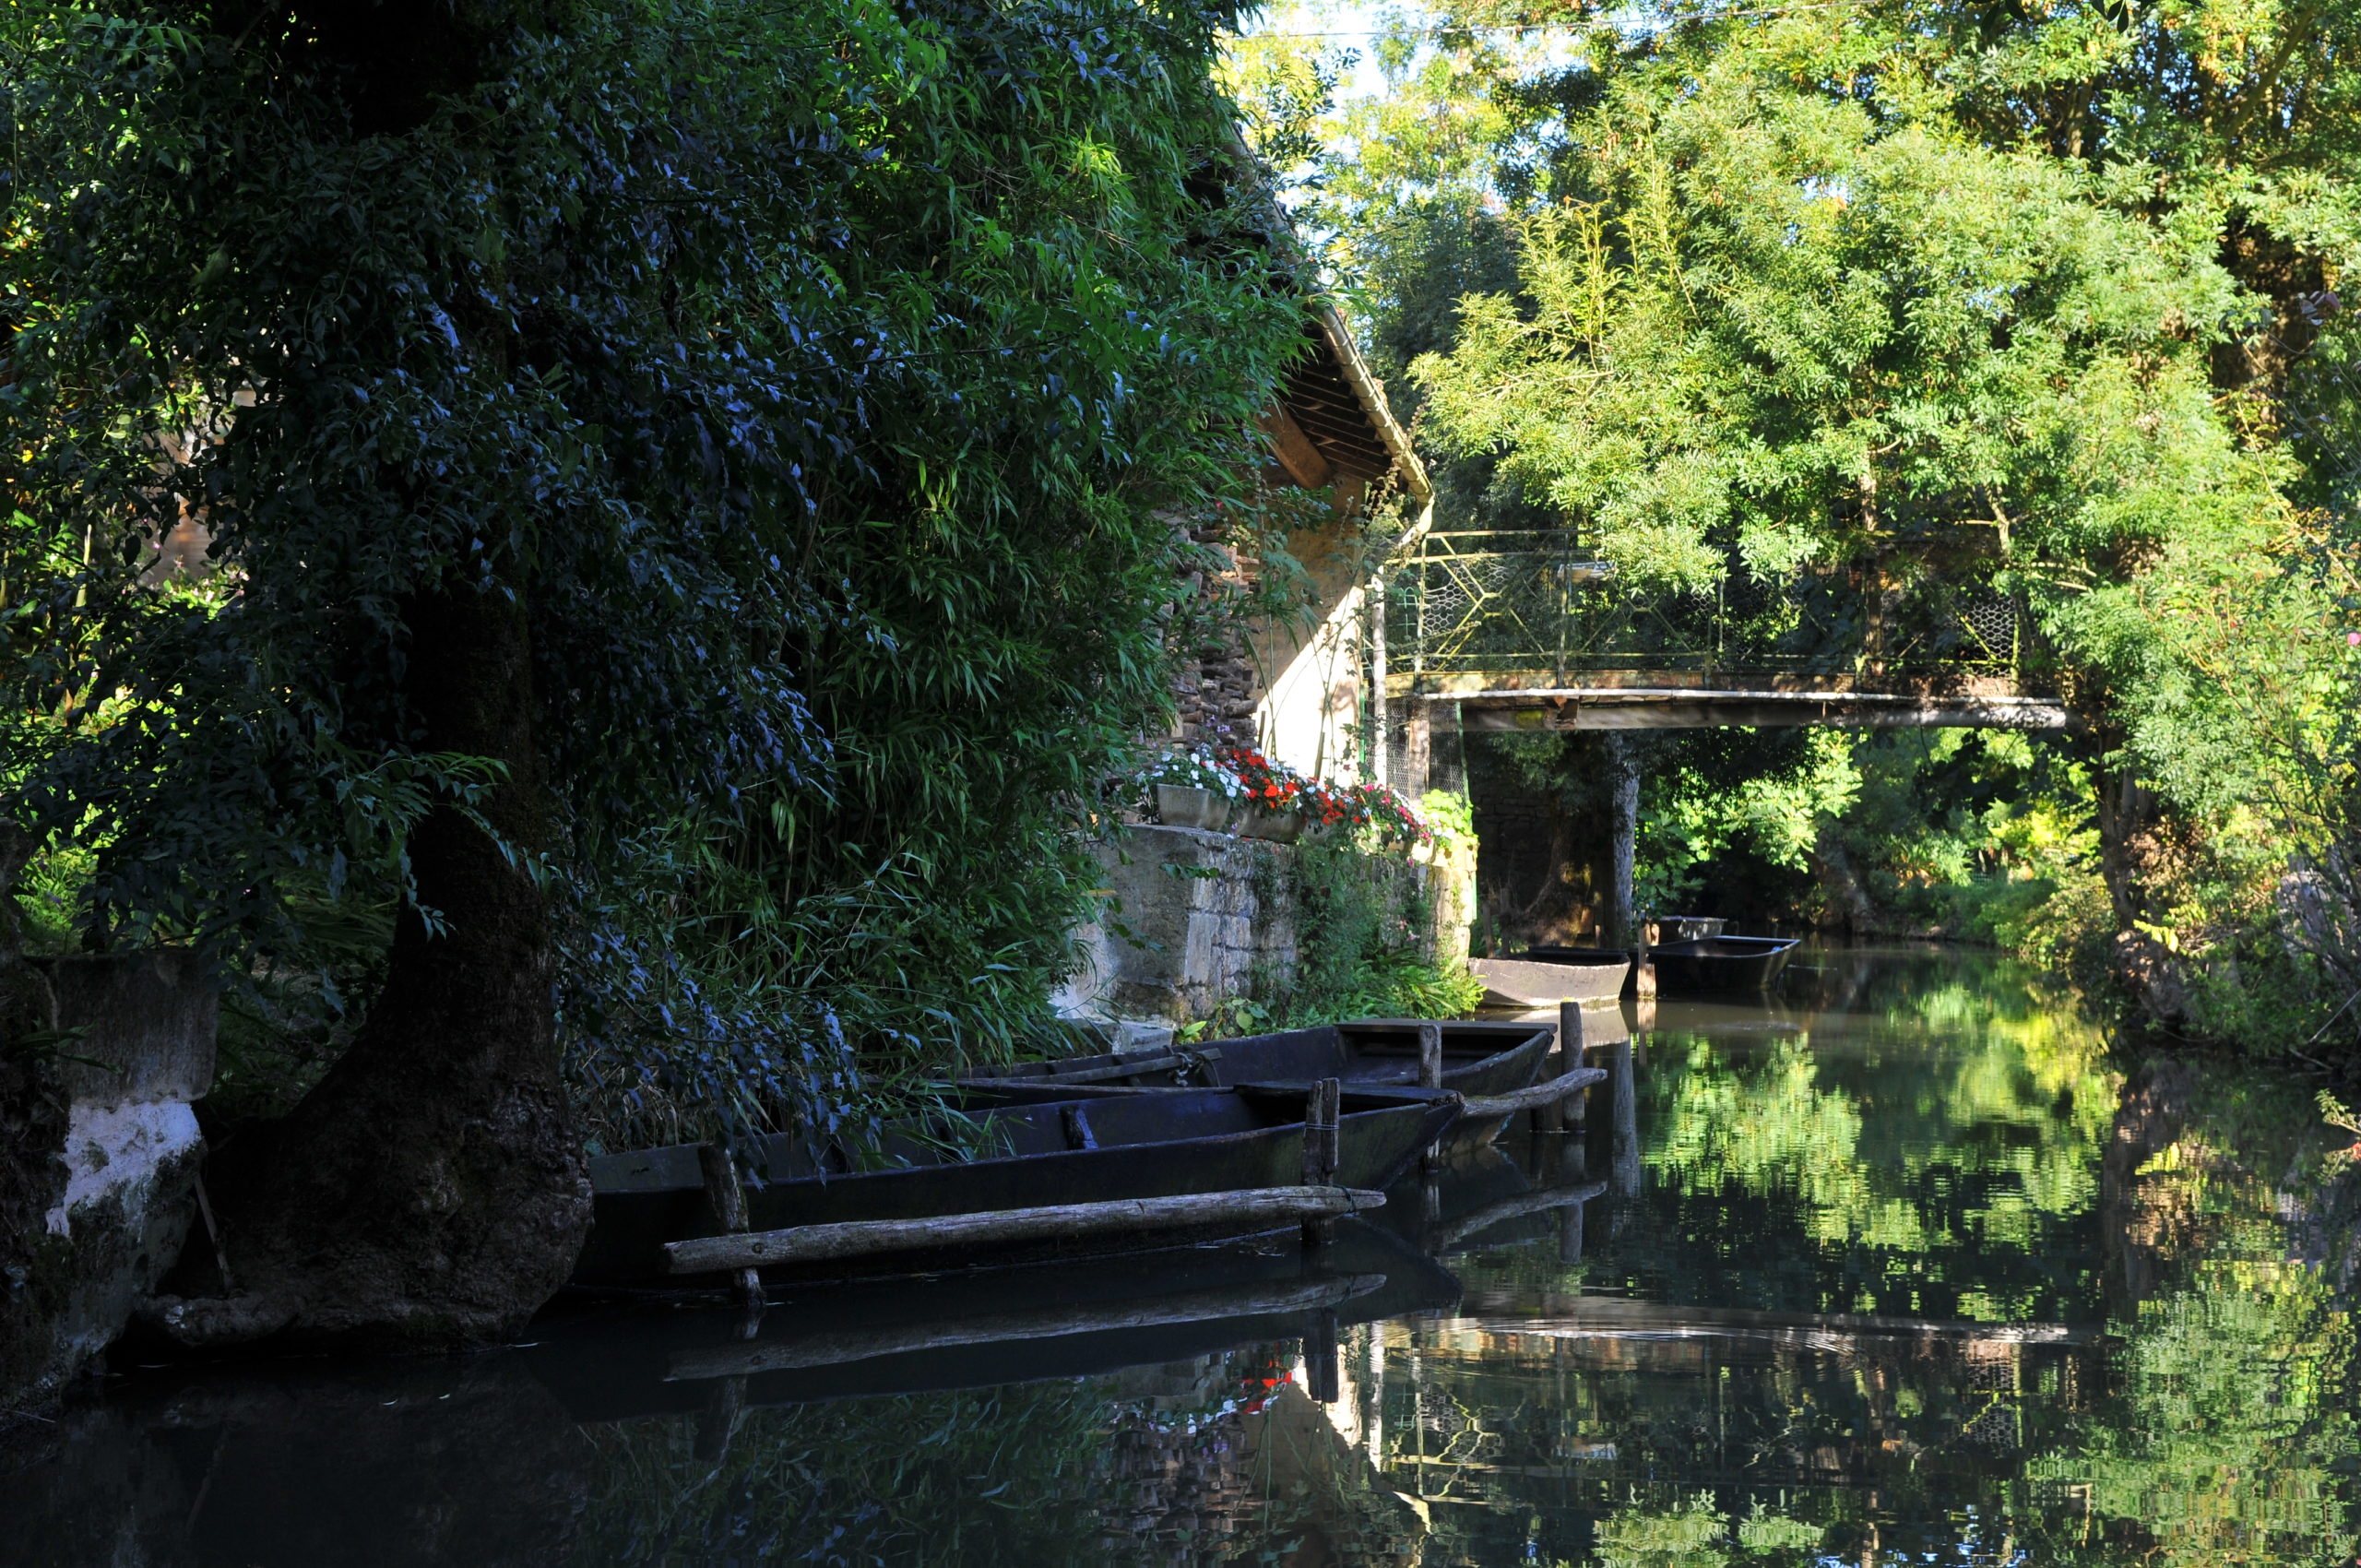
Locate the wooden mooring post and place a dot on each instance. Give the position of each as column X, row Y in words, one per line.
column 1431, row 1077
column 727, row 1194
column 1553, row 1117
column 1321, row 1156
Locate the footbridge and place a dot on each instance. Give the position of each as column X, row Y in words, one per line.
column 1530, row 630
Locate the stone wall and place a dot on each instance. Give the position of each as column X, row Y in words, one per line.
column 1215, row 684
column 1196, row 918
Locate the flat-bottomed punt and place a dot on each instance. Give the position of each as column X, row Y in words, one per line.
column 1481, row 1058
column 1718, row 966
column 1546, row 976
column 1131, row 1156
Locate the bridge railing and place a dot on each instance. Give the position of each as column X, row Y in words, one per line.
column 1542, row 604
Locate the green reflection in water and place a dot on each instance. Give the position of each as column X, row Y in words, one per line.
column 1914, row 1275
column 2006, row 1308
column 1912, row 1146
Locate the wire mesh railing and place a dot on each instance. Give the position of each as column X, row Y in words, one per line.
column 1536, row 603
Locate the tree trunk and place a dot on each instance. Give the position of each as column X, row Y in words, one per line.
column 431, row 1191
column 2127, row 810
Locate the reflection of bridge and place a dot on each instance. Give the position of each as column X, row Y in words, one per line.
column 1530, row 630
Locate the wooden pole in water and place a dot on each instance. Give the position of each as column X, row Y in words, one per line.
column 1270, row 1206
column 1538, row 1097
column 1320, row 1155
column 1431, row 1077
column 727, row 1194
column 1550, row 1118
column 1573, row 1040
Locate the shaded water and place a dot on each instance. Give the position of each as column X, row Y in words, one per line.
column 1903, row 1267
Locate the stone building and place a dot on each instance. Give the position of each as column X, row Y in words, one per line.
column 1306, row 686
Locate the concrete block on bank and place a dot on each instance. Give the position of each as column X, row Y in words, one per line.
column 141, row 1050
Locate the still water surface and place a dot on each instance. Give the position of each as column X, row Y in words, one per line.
column 1903, row 1267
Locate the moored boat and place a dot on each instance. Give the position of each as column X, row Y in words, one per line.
column 1546, row 976
column 1480, row 1057
column 1131, row 1156
column 1720, row 965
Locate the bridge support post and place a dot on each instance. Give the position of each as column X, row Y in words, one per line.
column 1625, row 777
column 1381, row 746
column 1417, row 749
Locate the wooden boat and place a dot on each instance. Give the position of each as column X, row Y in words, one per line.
column 1481, row 1058
column 1720, row 965
column 1546, row 976
column 1607, row 957
column 1124, row 1156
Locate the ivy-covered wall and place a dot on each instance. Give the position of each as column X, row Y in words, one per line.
column 1241, row 933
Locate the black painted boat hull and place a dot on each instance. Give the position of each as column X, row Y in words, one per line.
column 1720, row 965
column 1056, row 1151
column 1480, row 1057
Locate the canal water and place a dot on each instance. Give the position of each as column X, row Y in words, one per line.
column 1904, row 1267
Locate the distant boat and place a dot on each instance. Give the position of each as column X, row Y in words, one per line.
column 1051, row 1154
column 1687, row 927
column 1720, row 965
column 1481, row 1058
column 1547, row 976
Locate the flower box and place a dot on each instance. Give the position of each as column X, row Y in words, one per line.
column 1184, row 805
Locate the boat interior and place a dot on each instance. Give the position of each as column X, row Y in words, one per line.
column 1015, row 1123
column 1583, row 956
column 1731, row 946
column 1365, row 1051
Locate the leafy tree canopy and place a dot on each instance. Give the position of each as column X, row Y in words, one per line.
column 811, row 377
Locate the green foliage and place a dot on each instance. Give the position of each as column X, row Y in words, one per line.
column 1894, row 296
column 1364, row 944
column 1761, row 328
column 1451, row 816
column 822, row 380
column 1766, row 798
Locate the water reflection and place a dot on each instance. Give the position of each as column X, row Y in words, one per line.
column 1906, row 1267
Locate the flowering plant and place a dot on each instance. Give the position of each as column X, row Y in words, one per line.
column 1193, row 767
column 1391, row 818
column 1272, row 786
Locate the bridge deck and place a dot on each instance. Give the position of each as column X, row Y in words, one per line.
column 1670, row 700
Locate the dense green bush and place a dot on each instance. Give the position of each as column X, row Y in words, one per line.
column 823, row 382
